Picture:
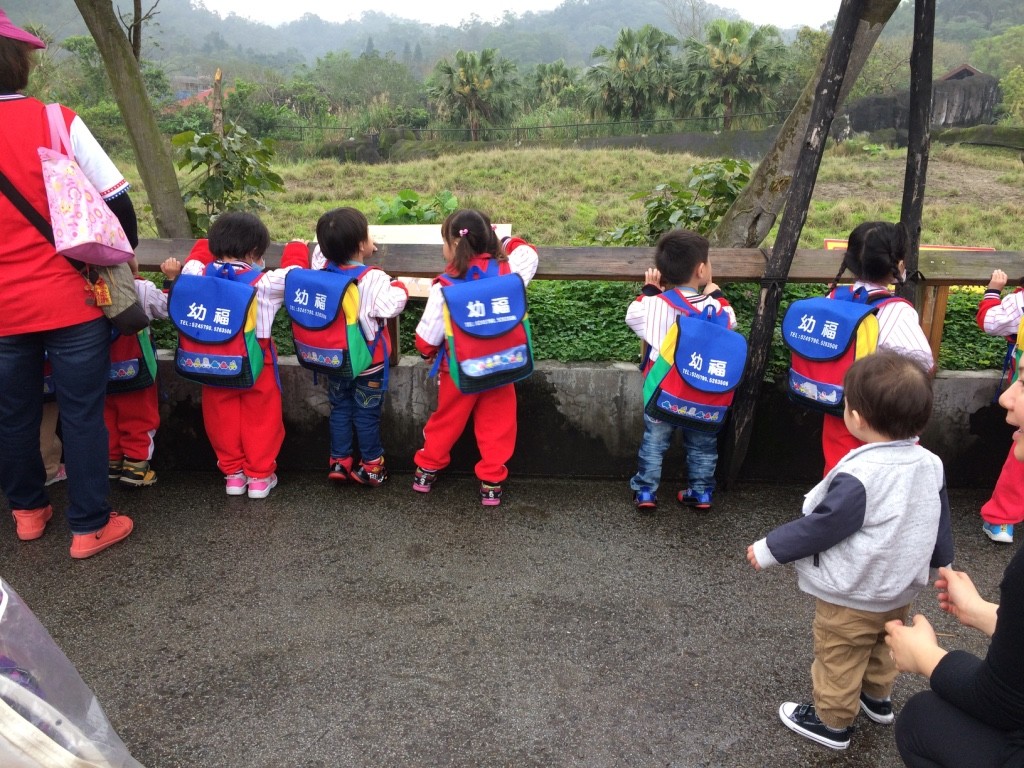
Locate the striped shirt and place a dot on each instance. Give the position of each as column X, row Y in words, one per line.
column 380, row 297
column 899, row 329
column 1001, row 317
column 651, row 317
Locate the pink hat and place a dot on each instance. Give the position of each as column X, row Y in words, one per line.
column 8, row 30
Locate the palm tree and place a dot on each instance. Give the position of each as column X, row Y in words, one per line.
column 737, row 68
column 474, row 90
column 636, row 76
column 555, row 84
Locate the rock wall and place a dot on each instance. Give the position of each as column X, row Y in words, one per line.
column 955, row 103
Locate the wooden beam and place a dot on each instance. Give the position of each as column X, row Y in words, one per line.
column 628, row 264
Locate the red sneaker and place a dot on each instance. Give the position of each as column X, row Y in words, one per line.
column 340, row 469
column 85, row 545
column 31, row 523
column 370, row 473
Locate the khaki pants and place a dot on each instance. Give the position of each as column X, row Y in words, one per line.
column 850, row 656
column 50, row 445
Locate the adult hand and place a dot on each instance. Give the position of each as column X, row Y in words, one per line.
column 913, row 648
column 960, row 598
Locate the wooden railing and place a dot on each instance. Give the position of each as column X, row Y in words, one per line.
column 941, row 269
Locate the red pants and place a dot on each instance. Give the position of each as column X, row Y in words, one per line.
column 836, row 441
column 1006, row 507
column 246, row 426
column 132, row 419
column 494, row 424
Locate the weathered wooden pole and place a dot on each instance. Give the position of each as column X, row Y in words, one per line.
column 826, row 97
column 918, row 140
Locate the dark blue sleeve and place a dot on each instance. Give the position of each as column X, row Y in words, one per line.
column 839, row 515
column 943, row 553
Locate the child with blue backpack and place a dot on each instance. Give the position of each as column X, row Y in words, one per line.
column 680, row 282
column 471, row 249
column 244, row 422
column 876, row 253
column 357, row 398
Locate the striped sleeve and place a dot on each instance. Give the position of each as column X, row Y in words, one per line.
column 899, row 330
column 1001, row 317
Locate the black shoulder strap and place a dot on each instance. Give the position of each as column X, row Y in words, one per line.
column 34, row 217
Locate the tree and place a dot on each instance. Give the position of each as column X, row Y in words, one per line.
column 151, row 153
column 689, row 17
column 474, row 90
column 737, row 67
column 754, row 213
column 1012, row 87
column 998, row 55
column 555, row 84
column 636, row 76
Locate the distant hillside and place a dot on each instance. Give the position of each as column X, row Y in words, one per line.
column 186, row 38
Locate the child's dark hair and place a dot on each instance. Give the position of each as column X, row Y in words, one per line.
column 874, row 251
column 237, row 234
column 891, row 392
column 469, row 233
column 339, row 233
column 677, row 255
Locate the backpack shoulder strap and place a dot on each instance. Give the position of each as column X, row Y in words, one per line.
column 678, row 301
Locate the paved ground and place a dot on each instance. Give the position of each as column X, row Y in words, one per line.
column 347, row 627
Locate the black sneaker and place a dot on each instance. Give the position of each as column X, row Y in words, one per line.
column 879, row 711
column 800, row 718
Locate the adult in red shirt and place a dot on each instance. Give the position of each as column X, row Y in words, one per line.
column 47, row 311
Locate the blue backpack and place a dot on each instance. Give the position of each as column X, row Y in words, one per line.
column 215, row 315
column 699, row 366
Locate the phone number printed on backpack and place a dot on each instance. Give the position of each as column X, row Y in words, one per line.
column 501, row 312
column 824, row 338
column 300, row 304
column 716, row 371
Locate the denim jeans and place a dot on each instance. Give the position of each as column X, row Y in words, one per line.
column 356, row 405
column 701, row 456
column 80, row 357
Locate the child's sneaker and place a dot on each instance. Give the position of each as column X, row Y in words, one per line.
column 137, row 473
column 340, row 469
column 114, row 469
column 800, row 718
column 999, row 533
column 423, row 479
column 88, row 544
column 490, row 495
column 878, row 710
column 59, row 476
column 692, row 498
column 260, row 487
column 30, row 524
column 645, row 500
column 370, row 473
column 235, row 484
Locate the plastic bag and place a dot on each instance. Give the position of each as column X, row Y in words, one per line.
column 48, row 715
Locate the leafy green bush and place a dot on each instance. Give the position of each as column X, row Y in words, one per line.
column 697, row 203
column 231, row 173
column 964, row 346
column 408, row 208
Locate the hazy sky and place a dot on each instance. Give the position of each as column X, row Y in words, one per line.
column 782, row 14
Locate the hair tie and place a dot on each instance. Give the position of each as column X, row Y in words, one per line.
column 494, row 227
column 463, row 232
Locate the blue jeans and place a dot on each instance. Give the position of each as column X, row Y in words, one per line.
column 701, row 456
column 356, row 404
column 80, row 356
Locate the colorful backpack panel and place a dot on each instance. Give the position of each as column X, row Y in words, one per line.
column 826, row 335
column 700, row 364
column 215, row 315
column 324, row 308
column 487, row 328
column 132, row 362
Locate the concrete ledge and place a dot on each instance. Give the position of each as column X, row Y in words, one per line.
column 584, row 420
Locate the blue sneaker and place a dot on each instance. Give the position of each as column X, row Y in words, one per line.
column 645, row 500
column 999, row 533
column 692, row 498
